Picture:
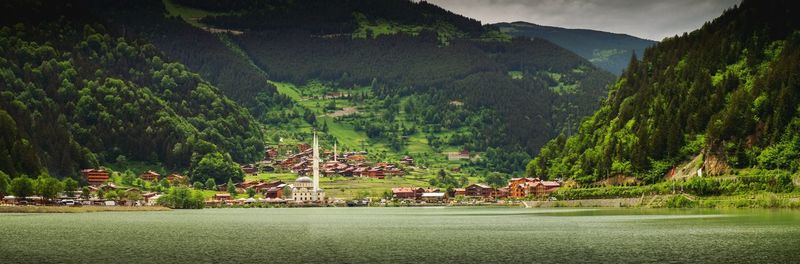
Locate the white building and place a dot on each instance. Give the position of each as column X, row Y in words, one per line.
column 307, row 189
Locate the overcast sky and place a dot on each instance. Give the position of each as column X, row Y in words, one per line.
column 651, row 19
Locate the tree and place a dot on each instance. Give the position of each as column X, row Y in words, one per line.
column 387, row 194
column 48, row 187
column 210, row 184
column 85, row 192
column 128, row 177
column 197, row 185
column 70, row 186
column 4, row 182
column 134, row 196
column 251, row 192
column 218, row 167
column 22, row 187
column 164, row 183
column 112, row 195
column 182, row 198
column 231, row 188
column 463, row 181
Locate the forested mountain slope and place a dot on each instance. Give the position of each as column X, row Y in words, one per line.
column 204, row 53
column 609, row 51
column 532, row 88
column 76, row 94
column 728, row 91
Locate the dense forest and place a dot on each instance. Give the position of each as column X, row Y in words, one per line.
column 202, row 52
column 728, row 91
column 76, row 95
column 328, row 17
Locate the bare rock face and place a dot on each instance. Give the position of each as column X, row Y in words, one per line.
column 715, row 164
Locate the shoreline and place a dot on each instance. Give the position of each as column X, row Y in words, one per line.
column 79, row 209
column 763, row 200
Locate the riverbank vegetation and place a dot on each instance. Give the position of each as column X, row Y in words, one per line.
column 78, row 209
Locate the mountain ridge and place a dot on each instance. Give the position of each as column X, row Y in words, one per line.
column 607, row 50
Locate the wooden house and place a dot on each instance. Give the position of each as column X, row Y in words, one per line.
column 222, row 197
column 404, row 193
column 149, row 176
column 479, row 190
column 175, row 179
column 249, row 169
column 95, row 177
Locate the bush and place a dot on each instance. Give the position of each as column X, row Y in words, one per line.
column 679, row 201
column 182, row 198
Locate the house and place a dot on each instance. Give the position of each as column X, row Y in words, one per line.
column 107, row 187
column 270, row 154
column 275, row 192
column 222, row 197
column 249, row 169
column 460, row 155
column 150, row 197
column 149, row 176
column 95, row 177
column 433, row 197
column 479, row 190
column 264, row 186
column 407, row 160
column 520, row 187
column 458, row 192
column 404, row 193
column 524, row 187
column 501, row 192
column 303, row 147
column 545, row 188
column 175, row 179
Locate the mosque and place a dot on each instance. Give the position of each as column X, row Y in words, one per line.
column 307, row 189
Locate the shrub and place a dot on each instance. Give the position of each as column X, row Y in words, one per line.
column 679, row 201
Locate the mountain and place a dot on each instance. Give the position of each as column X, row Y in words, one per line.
column 525, row 91
column 609, row 51
column 727, row 91
column 176, row 82
column 77, row 95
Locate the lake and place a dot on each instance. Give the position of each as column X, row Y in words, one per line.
column 403, row 235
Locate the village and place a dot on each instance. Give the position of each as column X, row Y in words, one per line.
column 308, row 166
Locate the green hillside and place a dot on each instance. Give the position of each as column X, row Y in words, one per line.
column 728, row 91
column 77, row 95
column 609, row 51
column 391, row 77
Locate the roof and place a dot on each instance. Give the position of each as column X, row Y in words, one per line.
column 433, row 194
column 551, row 183
column 402, row 190
column 151, row 173
column 303, row 179
column 222, row 195
column 481, row 185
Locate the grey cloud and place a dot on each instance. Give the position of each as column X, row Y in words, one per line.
column 652, row 19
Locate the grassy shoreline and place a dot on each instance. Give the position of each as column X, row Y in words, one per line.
column 760, row 200
column 80, row 209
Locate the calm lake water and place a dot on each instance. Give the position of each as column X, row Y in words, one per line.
column 403, row 235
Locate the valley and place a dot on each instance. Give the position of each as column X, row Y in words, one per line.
column 205, row 90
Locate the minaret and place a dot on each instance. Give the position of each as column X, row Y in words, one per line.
column 334, row 152
column 316, row 167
